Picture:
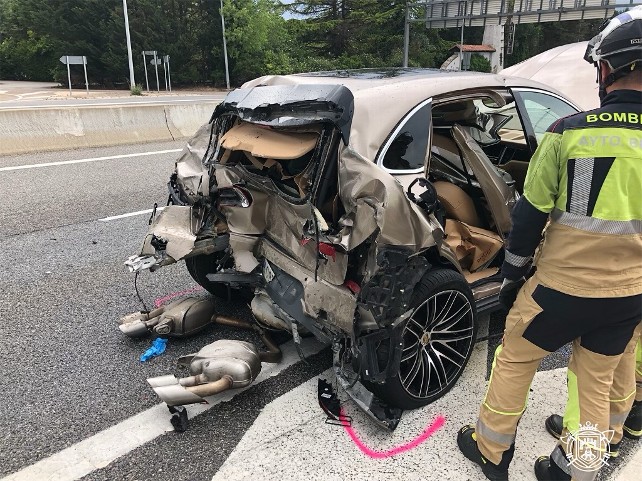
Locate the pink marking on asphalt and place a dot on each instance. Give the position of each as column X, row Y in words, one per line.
column 429, row 431
column 161, row 300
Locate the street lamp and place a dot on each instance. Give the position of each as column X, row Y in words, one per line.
column 227, row 71
column 132, row 82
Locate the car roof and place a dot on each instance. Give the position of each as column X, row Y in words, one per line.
column 383, row 96
column 426, row 80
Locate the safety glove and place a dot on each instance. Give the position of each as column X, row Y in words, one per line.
column 508, row 292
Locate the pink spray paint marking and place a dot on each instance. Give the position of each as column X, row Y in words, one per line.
column 429, row 431
column 162, row 300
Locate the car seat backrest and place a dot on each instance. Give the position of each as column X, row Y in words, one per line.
column 457, row 203
column 499, row 195
column 446, row 148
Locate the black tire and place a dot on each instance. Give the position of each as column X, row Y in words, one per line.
column 432, row 360
column 199, row 266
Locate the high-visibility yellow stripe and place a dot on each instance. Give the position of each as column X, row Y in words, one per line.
column 504, row 413
column 623, row 399
column 572, row 413
column 497, row 351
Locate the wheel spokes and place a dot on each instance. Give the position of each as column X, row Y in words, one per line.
column 452, row 336
column 435, row 350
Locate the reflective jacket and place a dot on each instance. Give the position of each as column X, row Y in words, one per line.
column 586, row 178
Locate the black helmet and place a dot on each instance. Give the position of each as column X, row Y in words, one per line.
column 619, row 44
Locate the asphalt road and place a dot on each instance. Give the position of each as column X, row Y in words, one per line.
column 66, row 372
column 72, row 383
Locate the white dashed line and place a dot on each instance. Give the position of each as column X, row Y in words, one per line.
column 130, row 214
column 81, row 161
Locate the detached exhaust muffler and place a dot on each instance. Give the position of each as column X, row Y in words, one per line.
column 180, row 318
column 217, row 367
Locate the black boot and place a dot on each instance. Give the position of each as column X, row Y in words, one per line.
column 467, row 442
column 633, row 423
column 555, row 425
column 547, row 470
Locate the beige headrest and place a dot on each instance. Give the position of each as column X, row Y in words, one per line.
column 268, row 143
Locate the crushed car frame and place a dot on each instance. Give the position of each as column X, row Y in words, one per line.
column 368, row 208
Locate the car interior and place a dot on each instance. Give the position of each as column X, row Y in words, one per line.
column 478, row 162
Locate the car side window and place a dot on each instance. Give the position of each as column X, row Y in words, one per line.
column 543, row 109
column 408, row 149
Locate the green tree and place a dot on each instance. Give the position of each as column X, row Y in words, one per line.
column 257, row 39
column 479, row 63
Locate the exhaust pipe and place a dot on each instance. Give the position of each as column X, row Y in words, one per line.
column 217, row 367
column 179, row 319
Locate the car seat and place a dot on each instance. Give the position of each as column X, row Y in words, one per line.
column 499, row 194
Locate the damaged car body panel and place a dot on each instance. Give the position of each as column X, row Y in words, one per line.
column 369, row 210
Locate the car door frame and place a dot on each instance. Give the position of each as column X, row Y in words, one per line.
column 522, row 112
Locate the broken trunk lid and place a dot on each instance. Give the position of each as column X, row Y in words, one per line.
column 292, row 105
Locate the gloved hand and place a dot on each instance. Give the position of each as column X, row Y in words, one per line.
column 508, row 292
column 158, row 348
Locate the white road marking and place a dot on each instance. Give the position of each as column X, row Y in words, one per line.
column 105, row 447
column 130, row 214
column 94, row 159
column 21, row 96
column 292, row 428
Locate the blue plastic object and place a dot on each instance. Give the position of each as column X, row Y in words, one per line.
column 158, row 348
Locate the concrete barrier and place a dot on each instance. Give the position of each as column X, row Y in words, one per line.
column 62, row 128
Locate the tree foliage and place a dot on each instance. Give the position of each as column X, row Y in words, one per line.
column 261, row 38
column 479, row 63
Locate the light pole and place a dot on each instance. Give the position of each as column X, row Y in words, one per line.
column 132, row 82
column 227, row 71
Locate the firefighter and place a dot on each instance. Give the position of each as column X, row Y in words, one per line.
column 632, row 427
column 586, row 178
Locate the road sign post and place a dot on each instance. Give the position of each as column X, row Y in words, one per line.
column 145, row 65
column 156, row 62
column 165, row 74
column 84, row 66
column 68, row 73
column 169, row 75
column 68, row 60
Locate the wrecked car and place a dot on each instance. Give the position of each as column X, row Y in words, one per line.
column 367, row 208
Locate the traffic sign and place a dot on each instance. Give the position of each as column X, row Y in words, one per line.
column 155, row 61
column 149, row 52
column 73, row 59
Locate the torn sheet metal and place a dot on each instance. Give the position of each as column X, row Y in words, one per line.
column 243, row 250
column 365, row 188
column 292, row 105
column 176, row 226
column 192, row 175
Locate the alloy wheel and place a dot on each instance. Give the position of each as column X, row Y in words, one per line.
column 437, row 339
